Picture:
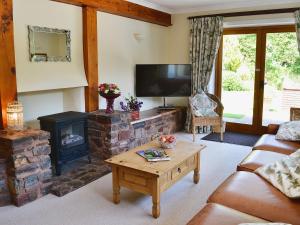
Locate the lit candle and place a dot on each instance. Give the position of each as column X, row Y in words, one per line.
column 15, row 116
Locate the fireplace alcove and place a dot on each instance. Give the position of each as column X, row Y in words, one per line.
column 69, row 140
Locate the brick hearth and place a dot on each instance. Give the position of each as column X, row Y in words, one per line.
column 25, row 166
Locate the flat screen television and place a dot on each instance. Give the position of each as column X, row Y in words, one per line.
column 163, row 80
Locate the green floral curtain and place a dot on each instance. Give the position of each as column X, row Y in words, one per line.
column 297, row 15
column 205, row 38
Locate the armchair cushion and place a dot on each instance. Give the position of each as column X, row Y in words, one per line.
column 203, row 106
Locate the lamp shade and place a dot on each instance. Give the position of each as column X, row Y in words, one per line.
column 15, row 120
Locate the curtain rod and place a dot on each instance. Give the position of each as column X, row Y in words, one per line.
column 250, row 13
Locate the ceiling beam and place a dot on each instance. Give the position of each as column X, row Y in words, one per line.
column 126, row 9
column 250, row 13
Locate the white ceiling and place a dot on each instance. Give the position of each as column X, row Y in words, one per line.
column 186, row 6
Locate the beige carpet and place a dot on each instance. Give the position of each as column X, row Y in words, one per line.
column 92, row 205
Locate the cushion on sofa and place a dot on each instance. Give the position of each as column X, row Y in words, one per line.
column 268, row 143
column 284, row 174
column 289, row 131
column 214, row 214
column 258, row 158
column 251, row 194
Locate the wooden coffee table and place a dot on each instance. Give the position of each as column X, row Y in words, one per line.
column 134, row 172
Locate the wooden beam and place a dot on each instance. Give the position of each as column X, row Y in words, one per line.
column 8, row 83
column 90, row 47
column 126, row 9
column 250, row 13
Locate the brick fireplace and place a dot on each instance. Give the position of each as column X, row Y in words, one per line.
column 112, row 134
column 25, row 166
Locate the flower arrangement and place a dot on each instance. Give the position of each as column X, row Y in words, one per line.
column 132, row 104
column 109, row 90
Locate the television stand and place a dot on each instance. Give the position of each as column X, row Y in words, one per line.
column 166, row 107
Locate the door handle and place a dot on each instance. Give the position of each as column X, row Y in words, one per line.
column 257, row 70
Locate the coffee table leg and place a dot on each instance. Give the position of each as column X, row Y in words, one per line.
column 197, row 169
column 116, row 185
column 155, row 198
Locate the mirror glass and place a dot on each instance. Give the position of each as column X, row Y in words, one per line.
column 47, row 44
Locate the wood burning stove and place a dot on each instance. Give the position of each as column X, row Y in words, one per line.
column 69, row 139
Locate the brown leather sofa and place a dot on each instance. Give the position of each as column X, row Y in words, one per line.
column 245, row 197
column 215, row 214
column 268, row 142
column 258, row 158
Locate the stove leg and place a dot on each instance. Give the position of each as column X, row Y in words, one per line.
column 58, row 168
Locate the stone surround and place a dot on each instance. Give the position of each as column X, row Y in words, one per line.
column 112, row 134
column 25, row 166
column 5, row 198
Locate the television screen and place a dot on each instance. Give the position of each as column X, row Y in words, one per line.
column 163, row 80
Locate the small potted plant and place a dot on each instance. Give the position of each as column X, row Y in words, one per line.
column 133, row 105
column 110, row 92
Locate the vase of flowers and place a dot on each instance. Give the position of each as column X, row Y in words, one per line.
column 133, row 105
column 110, row 92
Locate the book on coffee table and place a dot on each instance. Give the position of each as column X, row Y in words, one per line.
column 154, row 155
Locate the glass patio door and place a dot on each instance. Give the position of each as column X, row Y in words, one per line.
column 238, row 77
column 258, row 76
column 282, row 77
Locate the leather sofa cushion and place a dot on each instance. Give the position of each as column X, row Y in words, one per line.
column 259, row 158
column 251, row 194
column 214, row 214
column 268, row 143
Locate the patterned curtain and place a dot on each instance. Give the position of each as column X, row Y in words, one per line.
column 297, row 15
column 205, row 38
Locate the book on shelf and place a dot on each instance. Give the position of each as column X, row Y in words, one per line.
column 154, row 155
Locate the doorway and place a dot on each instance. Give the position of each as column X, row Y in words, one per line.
column 258, row 76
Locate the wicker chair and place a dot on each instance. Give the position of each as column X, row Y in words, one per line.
column 206, row 120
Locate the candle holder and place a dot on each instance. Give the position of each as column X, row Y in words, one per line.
column 15, row 118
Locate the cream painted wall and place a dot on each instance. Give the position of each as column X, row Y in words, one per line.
column 51, row 87
column 41, row 103
column 32, row 76
column 119, row 52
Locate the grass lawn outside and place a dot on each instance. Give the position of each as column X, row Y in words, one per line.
column 233, row 116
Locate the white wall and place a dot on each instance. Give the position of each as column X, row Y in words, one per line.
column 41, row 103
column 48, row 87
column 32, row 76
column 119, row 52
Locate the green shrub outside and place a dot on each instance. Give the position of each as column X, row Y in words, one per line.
column 232, row 82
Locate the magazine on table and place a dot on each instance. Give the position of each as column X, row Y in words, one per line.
column 154, row 155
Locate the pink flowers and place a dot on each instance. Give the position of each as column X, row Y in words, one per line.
column 109, row 89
